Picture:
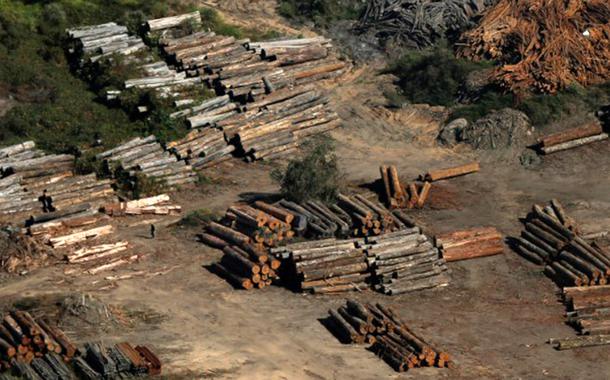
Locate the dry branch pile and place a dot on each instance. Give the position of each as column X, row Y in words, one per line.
column 543, row 45
column 471, row 244
column 104, row 40
column 146, row 156
column 397, row 195
column 419, row 23
column 589, row 313
column 405, row 261
column 27, row 172
column 552, row 239
column 572, row 138
column 391, row 338
column 34, row 348
column 20, row 253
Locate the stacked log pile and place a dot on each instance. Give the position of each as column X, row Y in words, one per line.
column 327, row 266
column 589, row 313
column 419, row 23
column 470, row 244
column 572, row 138
column 146, row 156
column 397, row 195
column 34, row 348
column 405, row 261
column 551, row 238
column 104, row 40
column 156, row 205
column 165, row 23
column 543, row 45
column 202, row 148
column 276, row 126
column 390, row 336
column 26, row 174
column 165, row 81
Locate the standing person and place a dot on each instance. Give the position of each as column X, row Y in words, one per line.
column 152, row 231
column 49, row 202
column 43, row 199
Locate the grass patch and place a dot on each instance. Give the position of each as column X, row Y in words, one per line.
column 212, row 20
column 321, row 12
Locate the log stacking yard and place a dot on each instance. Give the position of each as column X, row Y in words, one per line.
column 267, row 100
column 35, row 348
column 54, row 213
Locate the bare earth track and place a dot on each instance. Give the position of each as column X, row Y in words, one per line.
column 494, row 317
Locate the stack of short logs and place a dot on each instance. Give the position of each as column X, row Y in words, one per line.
column 589, row 313
column 36, row 349
column 405, row 261
column 104, row 40
column 572, row 138
column 470, row 244
column 551, row 238
column 391, row 338
column 202, row 148
column 326, row 266
column 397, row 195
column 146, row 157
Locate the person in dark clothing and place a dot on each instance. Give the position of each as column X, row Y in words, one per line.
column 152, row 231
column 49, row 202
column 43, row 199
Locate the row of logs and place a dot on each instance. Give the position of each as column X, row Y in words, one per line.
column 155, row 205
column 99, row 41
column 572, row 138
column 145, row 156
column 551, row 238
column 405, row 261
column 589, row 313
column 36, row 349
column 389, row 335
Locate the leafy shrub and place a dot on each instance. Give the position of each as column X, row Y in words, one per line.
column 321, row 12
column 432, row 76
column 315, row 176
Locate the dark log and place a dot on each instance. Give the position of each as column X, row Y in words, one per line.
column 238, row 281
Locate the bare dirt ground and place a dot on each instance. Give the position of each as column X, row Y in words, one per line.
column 494, row 318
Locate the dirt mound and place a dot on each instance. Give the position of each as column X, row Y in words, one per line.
column 543, row 45
column 500, row 130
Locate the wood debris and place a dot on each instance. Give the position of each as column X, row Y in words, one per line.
column 419, row 23
column 551, row 238
column 390, row 337
column 543, row 45
column 35, row 348
column 471, row 244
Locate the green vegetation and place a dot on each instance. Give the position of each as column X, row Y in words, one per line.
column 432, row 76
column 198, row 217
column 321, row 12
column 315, row 176
column 56, row 109
column 436, row 77
column 213, row 21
